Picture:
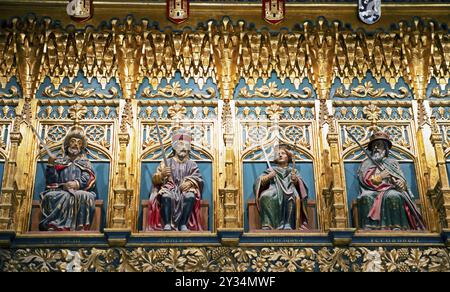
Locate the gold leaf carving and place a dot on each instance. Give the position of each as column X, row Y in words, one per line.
column 368, row 90
column 437, row 93
column 272, row 90
column 226, row 259
column 177, row 111
column 372, row 112
column 78, row 90
column 14, row 93
column 175, row 90
column 274, row 112
column 77, row 112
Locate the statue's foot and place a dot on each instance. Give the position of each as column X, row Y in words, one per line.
column 287, row 227
column 281, row 227
column 52, row 227
column 304, row 227
column 63, row 229
column 184, row 228
column 265, row 228
column 167, row 227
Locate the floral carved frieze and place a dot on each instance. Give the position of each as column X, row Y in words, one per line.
column 273, row 91
column 369, row 91
column 437, row 93
column 177, row 91
column 225, row 259
column 13, row 93
column 78, row 90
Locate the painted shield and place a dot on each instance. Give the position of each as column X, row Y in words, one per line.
column 177, row 10
column 369, row 11
column 274, row 11
column 80, row 10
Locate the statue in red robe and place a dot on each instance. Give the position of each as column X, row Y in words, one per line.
column 177, row 187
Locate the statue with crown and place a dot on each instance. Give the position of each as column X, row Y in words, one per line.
column 386, row 201
column 175, row 197
column 68, row 202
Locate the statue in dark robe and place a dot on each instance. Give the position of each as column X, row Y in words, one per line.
column 385, row 201
column 175, row 198
column 68, row 203
column 277, row 191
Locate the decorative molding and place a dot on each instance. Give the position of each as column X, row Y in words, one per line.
column 175, row 90
column 13, row 93
column 372, row 113
column 77, row 90
column 77, row 112
column 226, row 259
column 368, row 90
column 436, row 92
column 272, row 91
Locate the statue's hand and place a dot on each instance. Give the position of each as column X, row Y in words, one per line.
column 271, row 174
column 294, row 178
column 186, row 185
column 166, row 172
column 71, row 185
column 384, row 174
column 401, row 184
column 51, row 160
column 266, row 178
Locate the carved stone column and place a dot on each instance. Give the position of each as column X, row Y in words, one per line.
column 417, row 41
column 339, row 202
column 128, row 42
column 28, row 40
column 441, row 196
column 321, row 49
column 11, row 199
column 225, row 43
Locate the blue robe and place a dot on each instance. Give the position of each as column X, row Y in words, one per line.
column 66, row 210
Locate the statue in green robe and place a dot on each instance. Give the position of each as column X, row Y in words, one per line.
column 277, row 191
column 385, row 201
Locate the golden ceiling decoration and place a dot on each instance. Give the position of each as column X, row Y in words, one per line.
column 131, row 50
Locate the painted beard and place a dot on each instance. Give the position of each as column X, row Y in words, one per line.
column 182, row 154
column 74, row 151
column 378, row 155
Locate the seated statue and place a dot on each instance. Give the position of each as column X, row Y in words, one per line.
column 277, row 190
column 385, row 201
column 174, row 202
column 68, row 203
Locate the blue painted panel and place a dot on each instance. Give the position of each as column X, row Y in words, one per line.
column 252, row 170
column 352, row 182
column 2, row 166
column 101, row 170
column 148, row 168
